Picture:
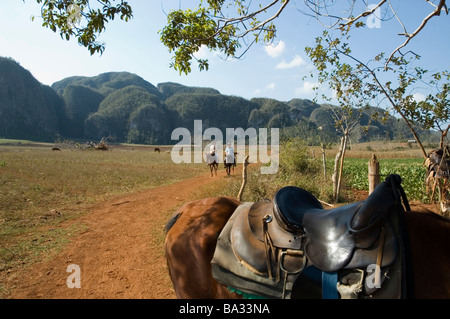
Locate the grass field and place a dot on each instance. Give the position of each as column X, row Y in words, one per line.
column 40, row 188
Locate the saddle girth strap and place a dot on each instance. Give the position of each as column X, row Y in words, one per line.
column 269, row 247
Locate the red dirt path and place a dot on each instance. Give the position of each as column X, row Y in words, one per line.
column 120, row 252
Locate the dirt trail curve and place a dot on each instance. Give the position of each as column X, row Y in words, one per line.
column 119, row 253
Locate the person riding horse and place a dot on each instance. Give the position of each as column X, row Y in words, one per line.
column 229, row 155
column 212, row 156
column 212, row 159
column 229, row 160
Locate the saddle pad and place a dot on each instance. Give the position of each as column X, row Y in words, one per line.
column 229, row 271
column 229, row 158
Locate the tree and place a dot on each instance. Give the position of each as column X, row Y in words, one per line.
column 83, row 19
column 351, row 91
column 323, row 9
column 354, row 82
column 431, row 113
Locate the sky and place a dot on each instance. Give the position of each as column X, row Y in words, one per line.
column 280, row 71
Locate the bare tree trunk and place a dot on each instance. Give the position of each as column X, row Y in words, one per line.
column 324, row 163
column 334, row 178
column 244, row 178
column 341, row 168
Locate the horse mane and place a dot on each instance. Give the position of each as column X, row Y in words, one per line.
column 171, row 222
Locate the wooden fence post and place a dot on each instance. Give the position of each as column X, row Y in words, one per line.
column 244, row 178
column 374, row 173
column 324, row 163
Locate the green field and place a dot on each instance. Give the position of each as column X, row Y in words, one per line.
column 411, row 170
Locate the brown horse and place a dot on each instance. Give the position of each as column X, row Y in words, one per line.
column 189, row 246
column 229, row 167
column 192, row 235
column 213, row 162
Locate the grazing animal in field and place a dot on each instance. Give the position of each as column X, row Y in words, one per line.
column 157, row 150
column 292, row 247
column 56, row 149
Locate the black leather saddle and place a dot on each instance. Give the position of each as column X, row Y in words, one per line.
column 342, row 237
column 279, row 238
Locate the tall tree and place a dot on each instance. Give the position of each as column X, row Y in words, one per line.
column 357, row 80
column 350, row 89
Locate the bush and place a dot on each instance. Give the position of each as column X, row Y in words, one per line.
column 296, row 158
column 298, row 167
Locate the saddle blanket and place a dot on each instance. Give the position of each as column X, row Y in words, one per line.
column 212, row 158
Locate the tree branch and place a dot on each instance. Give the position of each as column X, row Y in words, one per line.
column 318, row 6
column 410, row 36
column 364, row 14
column 248, row 17
column 391, row 101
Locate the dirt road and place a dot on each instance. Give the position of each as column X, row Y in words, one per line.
column 119, row 252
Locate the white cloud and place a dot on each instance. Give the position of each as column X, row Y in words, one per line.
column 307, row 88
column 271, row 86
column 296, row 61
column 203, row 53
column 257, row 92
column 419, row 97
column 275, row 51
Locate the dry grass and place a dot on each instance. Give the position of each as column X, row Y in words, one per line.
column 40, row 188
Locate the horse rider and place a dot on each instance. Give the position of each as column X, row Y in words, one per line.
column 212, row 156
column 229, row 154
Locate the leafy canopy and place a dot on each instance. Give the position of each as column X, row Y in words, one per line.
column 218, row 25
column 83, row 19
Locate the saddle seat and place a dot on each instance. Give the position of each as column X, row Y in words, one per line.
column 345, row 237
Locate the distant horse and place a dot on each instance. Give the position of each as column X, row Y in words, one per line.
column 213, row 162
column 192, row 233
column 212, row 159
column 229, row 163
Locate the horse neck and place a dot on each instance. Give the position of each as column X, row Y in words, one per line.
column 426, row 225
column 430, row 258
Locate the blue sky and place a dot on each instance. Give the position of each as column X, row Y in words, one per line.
column 265, row 71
